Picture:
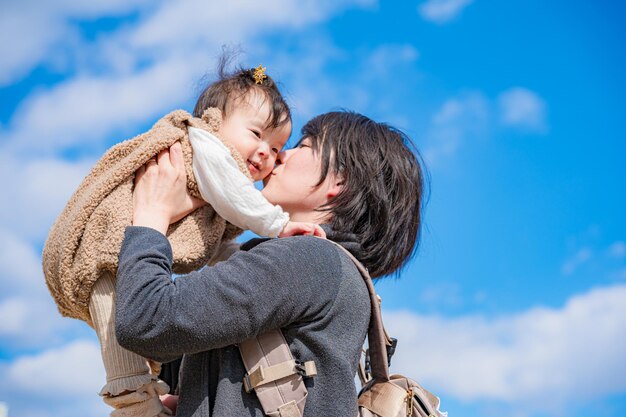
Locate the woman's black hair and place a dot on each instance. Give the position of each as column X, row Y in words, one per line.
column 383, row 183
column 232, row 86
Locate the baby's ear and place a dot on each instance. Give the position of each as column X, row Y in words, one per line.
column 213, row 117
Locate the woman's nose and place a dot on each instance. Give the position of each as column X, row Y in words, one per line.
column 282, row 157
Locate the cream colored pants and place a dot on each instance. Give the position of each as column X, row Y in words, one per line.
column 131, row 389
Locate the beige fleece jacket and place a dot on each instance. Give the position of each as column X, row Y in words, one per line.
column 86, row 238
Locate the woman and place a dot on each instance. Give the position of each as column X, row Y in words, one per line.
column 355, row 177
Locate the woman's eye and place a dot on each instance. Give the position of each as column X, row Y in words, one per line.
column 275, row 150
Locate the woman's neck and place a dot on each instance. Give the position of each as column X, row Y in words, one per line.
column 317, row 217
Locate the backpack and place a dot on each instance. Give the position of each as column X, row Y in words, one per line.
column 277, row 378
column 384, row 395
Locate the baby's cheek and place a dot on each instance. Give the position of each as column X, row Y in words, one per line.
column 263, row 174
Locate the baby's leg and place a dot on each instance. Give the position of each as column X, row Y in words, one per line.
column 130, row 387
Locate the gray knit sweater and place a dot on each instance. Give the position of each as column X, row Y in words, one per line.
column 303, row 285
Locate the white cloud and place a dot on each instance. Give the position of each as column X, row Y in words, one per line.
column 198, row 22
column 442, row 11
column 59, row 381
column 33, row 321
column 21, row 266
column 33, row 32
column 150, row 67
column 14, row 312
column 72, row 369
column 542, row 359
column 30, row 316
column 520, row 107
column 36, row 194
column 87, row 110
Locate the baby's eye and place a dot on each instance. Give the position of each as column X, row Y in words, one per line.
column 275, row 150
column 256, row 133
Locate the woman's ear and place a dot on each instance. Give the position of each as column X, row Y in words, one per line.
column 335, row 188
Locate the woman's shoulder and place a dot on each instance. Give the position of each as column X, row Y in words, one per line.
column 316, row 258
column 301, row 248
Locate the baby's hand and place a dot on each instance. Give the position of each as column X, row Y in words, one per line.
column 301, row 228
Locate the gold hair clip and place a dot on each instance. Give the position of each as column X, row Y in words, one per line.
column 259, row 74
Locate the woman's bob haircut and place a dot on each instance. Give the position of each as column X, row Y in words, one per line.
column 382, row 186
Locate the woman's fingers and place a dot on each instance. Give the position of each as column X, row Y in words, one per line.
column 176, row 156
column 163, row 159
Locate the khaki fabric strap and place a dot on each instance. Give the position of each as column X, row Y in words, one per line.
column 264, row 375
column 377, row 337
column 270, row 366
column 289, row 410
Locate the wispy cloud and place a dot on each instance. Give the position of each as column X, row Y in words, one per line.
column 84, row 111
column 577, row 260
column 520, row 107
column 442, row 11
column 591, row 255
column 36, row 194
column 318, row 83
column 471, row 114
column 58, row 381
column 31, row 319
column 34, row 33
column 540, row 360
column 74, row 368
column 456, row 120
column 617, row 250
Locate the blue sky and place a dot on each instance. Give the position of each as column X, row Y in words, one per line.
column 515, row 303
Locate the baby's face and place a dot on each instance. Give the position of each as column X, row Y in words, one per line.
column 246, row 130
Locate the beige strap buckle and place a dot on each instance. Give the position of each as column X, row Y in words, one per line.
column 264, row 375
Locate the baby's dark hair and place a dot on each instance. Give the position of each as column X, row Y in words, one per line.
column 232, row 86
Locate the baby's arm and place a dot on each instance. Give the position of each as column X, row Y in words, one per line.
column 233, row 196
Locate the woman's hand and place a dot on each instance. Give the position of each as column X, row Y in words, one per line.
column 160, row 197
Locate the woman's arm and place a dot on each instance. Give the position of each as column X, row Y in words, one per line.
column 275, row 284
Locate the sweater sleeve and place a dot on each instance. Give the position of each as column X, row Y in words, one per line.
column 278, row 282
column 231, row 194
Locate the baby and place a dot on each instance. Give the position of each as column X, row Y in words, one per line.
column 241, row 123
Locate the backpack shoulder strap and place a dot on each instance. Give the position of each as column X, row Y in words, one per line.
column 377, row 337
column 275, row 375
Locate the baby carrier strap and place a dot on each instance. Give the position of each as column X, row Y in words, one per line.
column 275, row 375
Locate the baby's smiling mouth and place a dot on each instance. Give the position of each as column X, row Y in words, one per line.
column 255, row 165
